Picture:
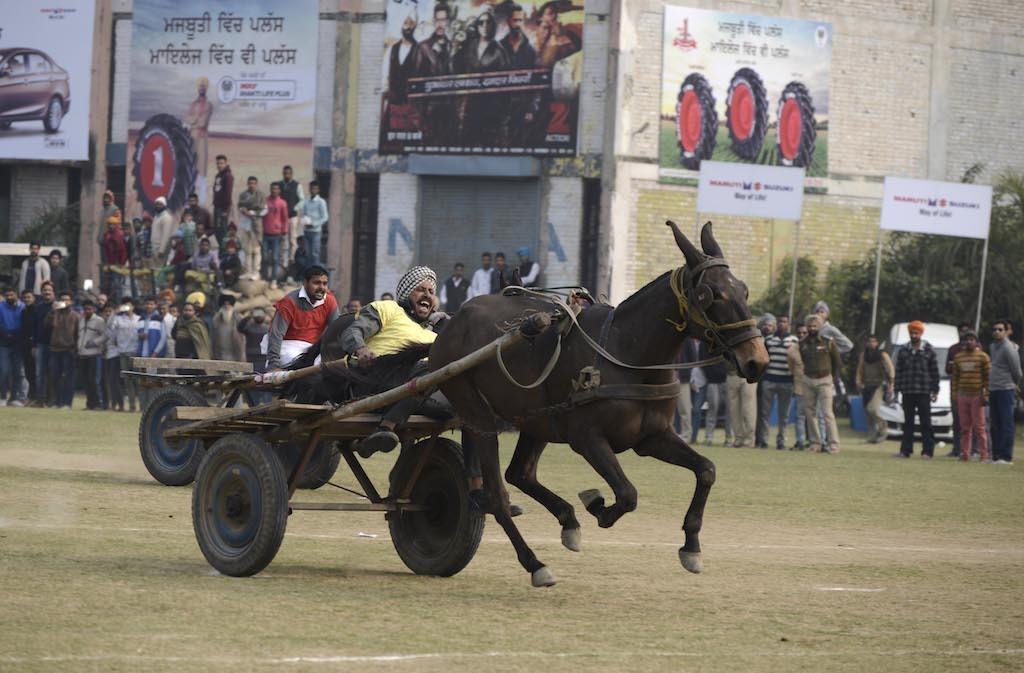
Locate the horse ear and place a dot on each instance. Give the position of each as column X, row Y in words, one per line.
column 708, row 242
column 689, row 250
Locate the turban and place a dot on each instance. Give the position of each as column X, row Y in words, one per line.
column 814, row 317
column 411, row 280
column 197, row 298
column 916, row 326
column 524, row 251
column 822, row 306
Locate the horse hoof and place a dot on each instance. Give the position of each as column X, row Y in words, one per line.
column 542, row 577
column 593, row 501
column 572, row 538
column 691, row 560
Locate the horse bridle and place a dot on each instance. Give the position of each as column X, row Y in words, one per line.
column 695, row 297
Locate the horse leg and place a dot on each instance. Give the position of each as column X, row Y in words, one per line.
column 522, row 473
column 671, row 448
column 482, row 432
column 598, row 452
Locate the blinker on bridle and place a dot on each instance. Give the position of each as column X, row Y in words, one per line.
column 695, row 297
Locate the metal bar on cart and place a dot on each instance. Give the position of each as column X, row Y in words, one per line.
column 357, row 506
column 360, row 474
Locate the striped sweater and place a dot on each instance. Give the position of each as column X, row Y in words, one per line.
column 778, row 365
column 970, row 373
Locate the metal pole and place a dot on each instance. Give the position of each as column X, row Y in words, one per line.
column 792, row 283
column 878, row 274
column 981, row 289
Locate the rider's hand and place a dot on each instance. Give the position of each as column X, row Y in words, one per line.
column 365, row 356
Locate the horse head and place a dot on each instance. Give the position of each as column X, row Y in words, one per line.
column 717, row 304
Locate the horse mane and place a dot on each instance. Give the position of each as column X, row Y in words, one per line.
column 642, row 293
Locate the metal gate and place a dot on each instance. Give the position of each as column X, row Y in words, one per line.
column 461, row 218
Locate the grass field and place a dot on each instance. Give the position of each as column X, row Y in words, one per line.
column 852, row 562
column 668, row 149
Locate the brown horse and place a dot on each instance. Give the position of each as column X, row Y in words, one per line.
column 599, row 406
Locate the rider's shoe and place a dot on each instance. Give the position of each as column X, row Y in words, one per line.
column 382, row 440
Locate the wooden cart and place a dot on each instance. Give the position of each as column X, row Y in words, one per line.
column 243, row 489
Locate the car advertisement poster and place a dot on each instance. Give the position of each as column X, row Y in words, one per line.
column 45, row 72
column 932, row 207
column 743, row 88
column 234, row 78
column 466, row 77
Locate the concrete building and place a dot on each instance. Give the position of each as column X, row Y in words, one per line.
column 919, row 88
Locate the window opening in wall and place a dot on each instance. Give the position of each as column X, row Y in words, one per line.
column 591, row 234
column 364, row 239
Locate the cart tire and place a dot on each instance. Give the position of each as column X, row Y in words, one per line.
column 320, row 468
column 746, row 112
column 797, row 130
column 696, row 121
column 171, row 462
column 240, row 505
column 442, row 539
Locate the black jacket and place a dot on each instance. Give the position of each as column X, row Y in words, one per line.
column 917, row 371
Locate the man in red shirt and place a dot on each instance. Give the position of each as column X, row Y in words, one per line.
column 302, row 316
column 275, row 225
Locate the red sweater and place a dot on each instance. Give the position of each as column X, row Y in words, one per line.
column 305, row 325
column 275, row 222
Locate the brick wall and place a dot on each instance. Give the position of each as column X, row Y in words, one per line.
column 1005, row 17
column 399, row 200
column 34, row 187
column 911, row 11
column 122, row 81
column 878, row 117
column 984, row 116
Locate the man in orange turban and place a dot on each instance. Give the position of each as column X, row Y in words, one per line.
column 917, row 382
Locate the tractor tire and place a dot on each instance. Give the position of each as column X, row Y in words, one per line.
column 746, row 113
column 442, row 539
column 171, row 462
column 796, row 130
column 240, row 505
column 321, row 466
column 696, row 121
column 164, row 163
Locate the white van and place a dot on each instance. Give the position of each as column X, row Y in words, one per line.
column 941, row 337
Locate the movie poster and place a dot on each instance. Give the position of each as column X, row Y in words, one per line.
column 45, row 73
column 743, row 88
column 231, row 77
column 481, row 77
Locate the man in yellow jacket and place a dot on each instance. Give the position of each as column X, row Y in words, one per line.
column 386, row 327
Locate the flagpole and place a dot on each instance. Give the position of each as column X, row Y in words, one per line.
column 878, row 274
column 981, row 288
column 792, row 282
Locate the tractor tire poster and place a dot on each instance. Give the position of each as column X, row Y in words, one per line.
column 45, row 79
column 743, row 88
column 491, row 78
column 226, row 77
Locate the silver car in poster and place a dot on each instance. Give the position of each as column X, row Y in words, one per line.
column 32, row 88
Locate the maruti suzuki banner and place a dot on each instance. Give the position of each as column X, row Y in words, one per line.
column 931, row 207
column 45, row 71
column 747, row 189
column 746, row 89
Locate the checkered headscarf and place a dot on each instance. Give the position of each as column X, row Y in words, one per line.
column 411, row 280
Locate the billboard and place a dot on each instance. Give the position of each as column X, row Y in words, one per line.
column 743, row 88
column 748, row 189
column 232, row 77
column 45, row 73
column 932, row 207
column 466, row 77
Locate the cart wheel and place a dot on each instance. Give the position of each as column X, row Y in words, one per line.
column 240, row 505
column 442, row 539
column 796, row 132
column 172, row 462
column 320, row 468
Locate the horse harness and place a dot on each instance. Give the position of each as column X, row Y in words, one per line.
column 694, row 298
